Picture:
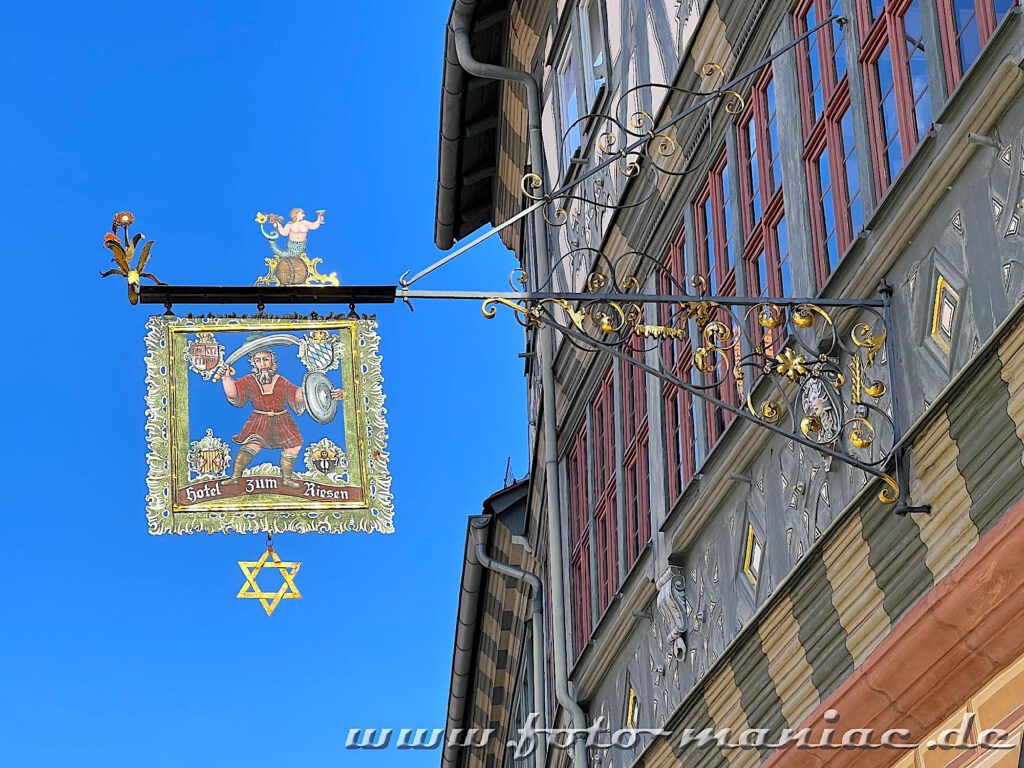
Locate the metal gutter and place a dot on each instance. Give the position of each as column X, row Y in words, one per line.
column 453, row 85
column 463, row 656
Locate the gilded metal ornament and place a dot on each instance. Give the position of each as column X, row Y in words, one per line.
column 270, row 600
column 784, row 359
column 124, row 249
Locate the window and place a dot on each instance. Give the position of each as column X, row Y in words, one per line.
column 714, row 232
column 605, row 508
column 715, row 262
column 579, row 540
column 593, row 46
column 966, row 26
column 830, row 154
column 896, row 75
column 681, row 416
column 524, row 702
column 582, row 73
column 568, row 98
column 680, row 407
column 766, row 248
column 635, row 440
column 600, row 539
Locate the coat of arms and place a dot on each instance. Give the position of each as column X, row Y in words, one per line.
column 208, row 458
column 203, row 354
column 320, row 351
column 326, row 458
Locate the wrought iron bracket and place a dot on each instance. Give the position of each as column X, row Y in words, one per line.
column 802, row 368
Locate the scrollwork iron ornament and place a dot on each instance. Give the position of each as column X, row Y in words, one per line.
column 803, row 368
column 626, row 141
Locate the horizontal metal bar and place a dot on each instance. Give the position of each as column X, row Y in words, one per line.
column 387, row 294
column 259, row 294
column 660, row 298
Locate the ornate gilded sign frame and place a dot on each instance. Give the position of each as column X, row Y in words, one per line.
column 188, row 475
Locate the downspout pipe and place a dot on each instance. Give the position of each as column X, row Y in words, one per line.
column 460, row 24
column 462, row 655
column 537, row 631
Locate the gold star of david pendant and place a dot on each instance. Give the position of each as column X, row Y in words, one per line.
column 270, row 600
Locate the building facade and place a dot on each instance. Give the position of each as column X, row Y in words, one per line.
column 714, row 574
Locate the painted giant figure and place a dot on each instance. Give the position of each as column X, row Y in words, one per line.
column 270, row 425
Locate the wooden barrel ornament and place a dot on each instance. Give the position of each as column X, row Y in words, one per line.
column 291, row 270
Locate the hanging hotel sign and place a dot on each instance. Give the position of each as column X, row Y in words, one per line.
column 266, row 424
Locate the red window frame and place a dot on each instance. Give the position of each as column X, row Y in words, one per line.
column 607, row 529
column 605, row 538
column 678, row 405
column 635, row 441
column 763, row 207
column 681, row 415
column 579, row 541
column 605, row 488
column 824, row 138
column 987, row 18
column 716, row 263
column 884, row 35
column 675, row 266
column 821, row 48
column 581, row 612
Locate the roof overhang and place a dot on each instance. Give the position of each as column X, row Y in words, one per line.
column 470, row 119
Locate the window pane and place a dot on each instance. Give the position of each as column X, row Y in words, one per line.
column 968, row 38
column 839, row 42
column 782, row 248
column 693, row 416
column 856, row 215
column 775, row 169
column 726, row 219
column 917, row 66
column 570, row 109
column 595, row 36
column 762, row 287
column 709, row 246
column 1002, row 7
column 752, row 174
column 814, row 65
column 828, row 212
column 888, row 114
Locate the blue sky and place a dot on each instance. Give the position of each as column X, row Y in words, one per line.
column 123, row 649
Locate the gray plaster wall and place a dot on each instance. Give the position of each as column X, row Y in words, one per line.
column 973, row 237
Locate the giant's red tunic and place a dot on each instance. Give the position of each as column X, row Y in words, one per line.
column 270, row 424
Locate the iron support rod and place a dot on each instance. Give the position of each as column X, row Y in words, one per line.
column 493, row 72
column 475, row 242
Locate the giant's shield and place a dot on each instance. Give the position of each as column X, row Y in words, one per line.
column 317, row 390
